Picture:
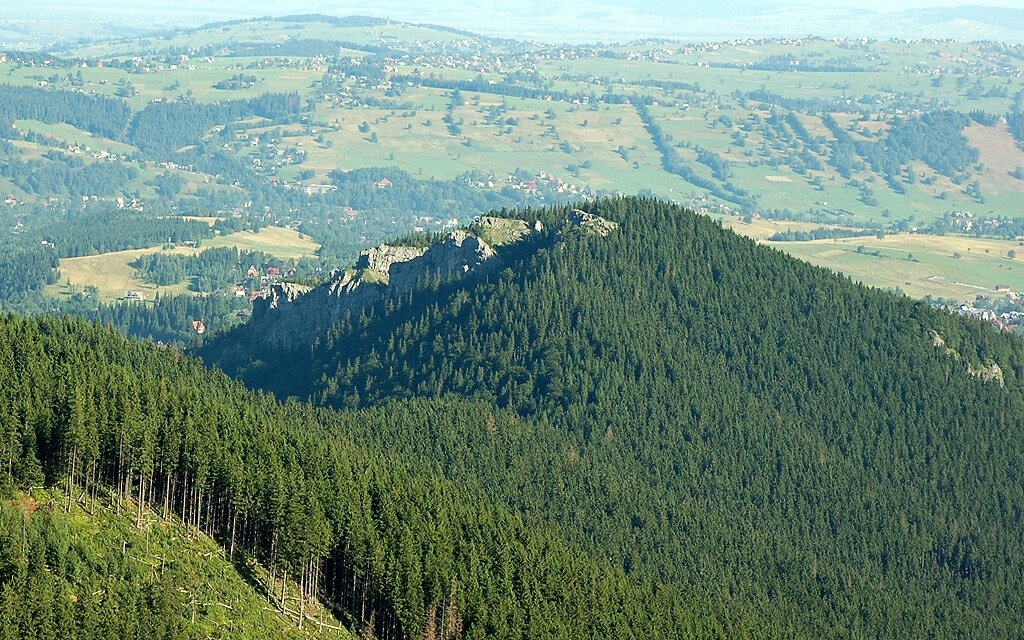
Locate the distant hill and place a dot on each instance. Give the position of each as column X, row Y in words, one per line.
column 607, row 21
column 294, row 121
column 1002, row 17
column 810, row 454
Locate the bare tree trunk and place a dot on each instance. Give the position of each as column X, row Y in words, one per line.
column 142, row 500
column 167, row 494
column 284, row 589
column 71, row 477
column 231, row 549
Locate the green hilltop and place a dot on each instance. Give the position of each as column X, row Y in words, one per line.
column 709, row 412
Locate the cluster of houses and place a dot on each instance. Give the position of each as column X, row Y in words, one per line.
column 257, row 283
column 1005, row 314
column 966, row 221
column 267, row 153
column 97, row 154
column 134, row 204
column 1005, row 321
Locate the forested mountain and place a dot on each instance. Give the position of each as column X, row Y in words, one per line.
column 398, row 552
column 604, row 420
column 813, row 457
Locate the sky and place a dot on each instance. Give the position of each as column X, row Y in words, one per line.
column 21, row 8
column 569, row 20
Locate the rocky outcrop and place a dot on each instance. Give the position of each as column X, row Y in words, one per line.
column 986, row 373
column 280, row 295
column 292, row 315
column 381, row 258
column 501, row 231
column 460, row 251
column 591, row 224
column 990, row 373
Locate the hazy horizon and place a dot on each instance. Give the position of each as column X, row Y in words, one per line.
column 573, row 21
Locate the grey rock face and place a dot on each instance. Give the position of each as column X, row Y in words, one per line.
column 292, row 315
column 382, row 257
column 591, row 224
column 460, row 251
column 990, row 373
column 500, row 231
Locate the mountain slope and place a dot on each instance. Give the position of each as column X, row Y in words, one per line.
column 397, row 552
column 710, row 413
column 67, row 570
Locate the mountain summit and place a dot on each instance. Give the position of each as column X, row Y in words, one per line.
column 709, row 412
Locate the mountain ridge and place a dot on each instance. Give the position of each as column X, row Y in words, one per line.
column 713, row 414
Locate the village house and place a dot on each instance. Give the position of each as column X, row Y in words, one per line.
column 320, row 189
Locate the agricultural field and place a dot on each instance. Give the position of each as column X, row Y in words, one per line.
column 943, row 267
column 66, row 134
column 286, row 244
column 949, row 267
column 112, row 273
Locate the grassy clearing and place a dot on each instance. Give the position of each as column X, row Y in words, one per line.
column 762, row 229
column 112, row 273
column 286, row 244
column 1001, row 156
column 982, row 264
column 67, row 134
column 210, row 220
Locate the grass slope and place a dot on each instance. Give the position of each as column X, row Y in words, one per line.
column 95, row 548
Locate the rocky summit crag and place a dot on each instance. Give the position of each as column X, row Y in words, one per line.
column 291, row 314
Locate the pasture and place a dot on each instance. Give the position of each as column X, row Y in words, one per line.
column 112, row 273
column 932, row 270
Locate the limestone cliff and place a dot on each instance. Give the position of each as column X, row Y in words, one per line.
column 292, row 315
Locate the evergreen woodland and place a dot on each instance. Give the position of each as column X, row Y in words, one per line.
column 398, row 553
column 666, row 432
column 812, row 456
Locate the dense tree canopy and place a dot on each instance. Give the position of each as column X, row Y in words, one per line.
column 404, row 553
column 715, row 415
